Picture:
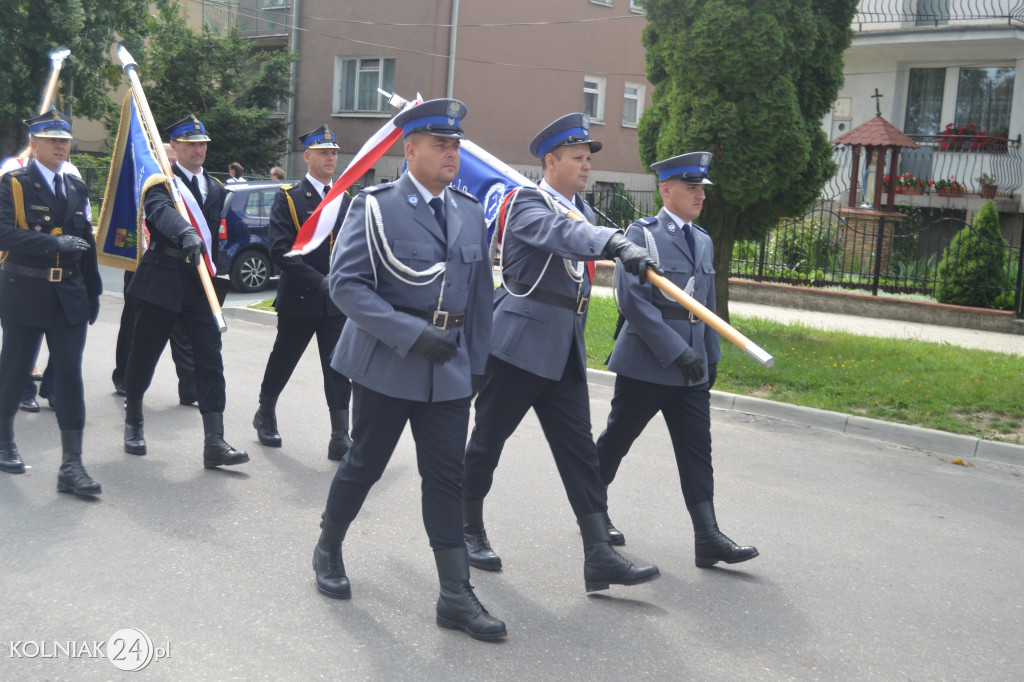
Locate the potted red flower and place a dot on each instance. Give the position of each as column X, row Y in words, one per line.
column 988, row 186
column 949, row 188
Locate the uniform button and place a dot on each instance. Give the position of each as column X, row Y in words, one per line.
column 414, row 252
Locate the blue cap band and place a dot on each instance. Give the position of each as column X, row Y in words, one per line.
column 50, row 124
column 667, row 173
column 560, row 137
column 442, row 122
column 313, row 139
column 190, row 128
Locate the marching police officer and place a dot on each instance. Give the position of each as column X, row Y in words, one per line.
column 167, row 288
column 537, row 356
column 303, row 303
column 666, row 358
column 411, row 273
column 49, row 284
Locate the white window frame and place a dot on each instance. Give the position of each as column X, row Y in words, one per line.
column 276, row 4
column 641, row 94
column 601, row 86
column 339, row 65
column 637, row 6
column 603, row 3
column 951, row 88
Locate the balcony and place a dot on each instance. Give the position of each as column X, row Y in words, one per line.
column 882, row 15
column 941, row 157
column 267, row 22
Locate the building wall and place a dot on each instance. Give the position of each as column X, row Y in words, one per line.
column 513, row 79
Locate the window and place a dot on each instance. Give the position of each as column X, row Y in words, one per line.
column 636, row 6
column 358, row 80
column 606, row 3
column 593, row 98
column 981, row 96
column 276, row 4
column 632, row 104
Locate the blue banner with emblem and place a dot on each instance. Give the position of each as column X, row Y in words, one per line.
column 484, row 182
column 132, row 162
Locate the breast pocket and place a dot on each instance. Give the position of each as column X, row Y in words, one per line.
column 707, row 271
column 471, row 254
column 417, row 255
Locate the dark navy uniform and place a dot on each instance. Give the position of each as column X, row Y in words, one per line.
column 167, row 288
column 415, row 282
column 49, row 285
column 538, row 360
column 652, row 378
column 304, row 306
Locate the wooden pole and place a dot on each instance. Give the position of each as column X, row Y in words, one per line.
column 131, row 69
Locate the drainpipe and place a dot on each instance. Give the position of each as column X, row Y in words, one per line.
column 293, row 46
column 451, row 48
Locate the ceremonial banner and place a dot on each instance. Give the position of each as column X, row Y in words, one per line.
column 319, row 225
column 487, row 183
column 133, row 162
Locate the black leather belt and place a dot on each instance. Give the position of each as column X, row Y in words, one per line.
column 560, row 300
column 442, row 319
column 49, row 274
column 168, row 251
column 678, row 314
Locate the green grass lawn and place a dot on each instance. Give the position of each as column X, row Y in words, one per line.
column 937, row 386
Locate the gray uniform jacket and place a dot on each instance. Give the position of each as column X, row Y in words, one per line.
column 648, row 343
column 532, row 335
column 374, row 348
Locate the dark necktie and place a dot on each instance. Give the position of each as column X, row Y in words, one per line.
column 688, row 233
column 327, row 188
column 193, row 184
column 58, row 192
column 579, row 204
column 438, row 206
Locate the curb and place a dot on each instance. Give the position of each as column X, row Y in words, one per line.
column 904, row 435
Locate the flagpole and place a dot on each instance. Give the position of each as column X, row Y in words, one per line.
column 131, row 69
column 684, row 299
column 57, row 58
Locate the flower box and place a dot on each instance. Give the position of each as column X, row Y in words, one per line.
column 988, row 191
column 900, row 189
column 949, row 191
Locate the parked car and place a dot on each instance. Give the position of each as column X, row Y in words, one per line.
column 244, row 239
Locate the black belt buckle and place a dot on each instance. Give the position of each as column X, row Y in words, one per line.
column 56, row 274
column 440, row 319
column 582, row 305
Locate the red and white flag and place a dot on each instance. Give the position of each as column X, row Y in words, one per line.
column 315, row 230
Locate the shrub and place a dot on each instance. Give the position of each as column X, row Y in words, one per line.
column 972, row 272
column 807, row 242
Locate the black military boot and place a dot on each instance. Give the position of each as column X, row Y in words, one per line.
column 711, row 546
column 327, row 562
column 340, row 440
column 265, row 421
column 134, row 439
column 10, row 458
column 480, row 553
column 615, row 535
column 72, row 477
column 457, row 605
column 216, row 451
column 602, row 565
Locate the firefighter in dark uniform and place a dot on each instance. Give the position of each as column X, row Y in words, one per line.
column 303, row 303
column 537, row 356
column 49, row 284
column 411, row 273
column 167, row 288
column 666, row 358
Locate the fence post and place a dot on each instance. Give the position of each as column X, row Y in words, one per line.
column 760, row 259
column 878, row 255
column 1018, row 293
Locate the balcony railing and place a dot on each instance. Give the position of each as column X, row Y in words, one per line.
column 264, row 18
column 873, row 15
column 943, row 157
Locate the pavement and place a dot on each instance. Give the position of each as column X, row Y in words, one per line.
column 880, row 559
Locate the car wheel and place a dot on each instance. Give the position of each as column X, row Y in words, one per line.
column 250, row 271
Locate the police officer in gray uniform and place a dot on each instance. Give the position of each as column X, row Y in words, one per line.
column 537, row 357
column 411, row 273
column 49, row 284
column 666, row 358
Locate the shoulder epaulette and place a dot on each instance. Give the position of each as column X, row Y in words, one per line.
column 75, row 180
column 647, row 222
column 376, row 188
column 464, row 193
column 18, row 172
column 287, row 187
column 701, row 229
column 218, row 181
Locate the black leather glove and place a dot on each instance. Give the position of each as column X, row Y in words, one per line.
column 434, row 345
column 712, row 374
column 67, row 243
column 478, row 381
column 691, row 364
column 94, row 309
column 634, row 258
column 192, row 244
column 324, row 287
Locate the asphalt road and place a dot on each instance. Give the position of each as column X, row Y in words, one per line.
column 877, row 562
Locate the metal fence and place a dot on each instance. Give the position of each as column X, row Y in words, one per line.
column 870, row 13
column 830, row 246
